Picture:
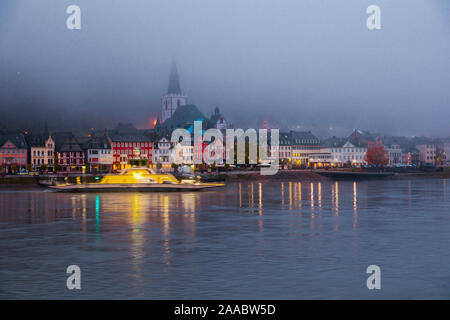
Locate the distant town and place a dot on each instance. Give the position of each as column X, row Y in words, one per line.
column 111, row 150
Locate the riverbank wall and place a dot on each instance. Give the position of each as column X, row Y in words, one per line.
column 308, row 175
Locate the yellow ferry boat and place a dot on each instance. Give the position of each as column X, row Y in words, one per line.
column 137, row 179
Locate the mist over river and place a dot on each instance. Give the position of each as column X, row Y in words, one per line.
column 249, row 240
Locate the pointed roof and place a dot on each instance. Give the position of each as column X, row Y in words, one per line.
column 17, row 139
column 38, row 140
column 361, row 138
column 214, row 118
column 66, row 142
column 174, row 81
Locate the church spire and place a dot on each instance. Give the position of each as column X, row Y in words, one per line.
column 174, row 81
column 174, row 98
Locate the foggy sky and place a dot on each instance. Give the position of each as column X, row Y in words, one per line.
column 298, row 63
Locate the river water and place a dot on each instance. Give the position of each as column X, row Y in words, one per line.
column 250, row 240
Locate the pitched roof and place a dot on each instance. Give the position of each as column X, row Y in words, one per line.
column 60, row 137
column 216, row 116
column 334, row 142
column 98, row 143
column 402, row 141
column 70, row 146
column 66, row 142
column 284, row 138
column 303, row 137
column 361, row 138
column 137, row 137
column 37, row 140
column 17, row 139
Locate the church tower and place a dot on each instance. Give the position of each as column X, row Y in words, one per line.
column 174, row 98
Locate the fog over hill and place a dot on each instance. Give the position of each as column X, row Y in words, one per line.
column 297, row 64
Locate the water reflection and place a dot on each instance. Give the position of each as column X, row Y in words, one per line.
column 409, row 194
column 137, row 241
column 84, row 217
column 260, row 206
column 165, row 214
column 260, row 211
column 336, row 198
column 313, row 216
column 97, row 213
column 444, row 191
column 300, row 194
column 314, row 198
column 189, row 216
column 250, row 196
column 290, row 195
column 355, row 206
column 240, row 195
column 155, row 241
column 319, row 187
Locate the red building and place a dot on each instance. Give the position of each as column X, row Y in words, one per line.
column 127, row 147
column 69, row 154
column 13, row 151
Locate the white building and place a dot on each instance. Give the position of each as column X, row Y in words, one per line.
column 447, row 153
column 303, row 144
column 427, row 154
column 174, row 98
column 99, row 154
column 323, row 158
column 163, row 153
column 395, row 155
column 348, row 154
column 183, row 154
column 284, row 149
column 42, row 151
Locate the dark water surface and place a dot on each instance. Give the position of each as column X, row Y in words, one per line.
column 271, row 239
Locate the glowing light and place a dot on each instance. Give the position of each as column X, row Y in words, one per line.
column 137, row 175
column 336, row 197
column 97, row 213
column 290, row 195
column 252, row 196
column 300, row 194
column 319, row 185
column 260, row 198
column 83, row 213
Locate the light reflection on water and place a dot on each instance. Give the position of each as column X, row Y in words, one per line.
column 261, row 239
